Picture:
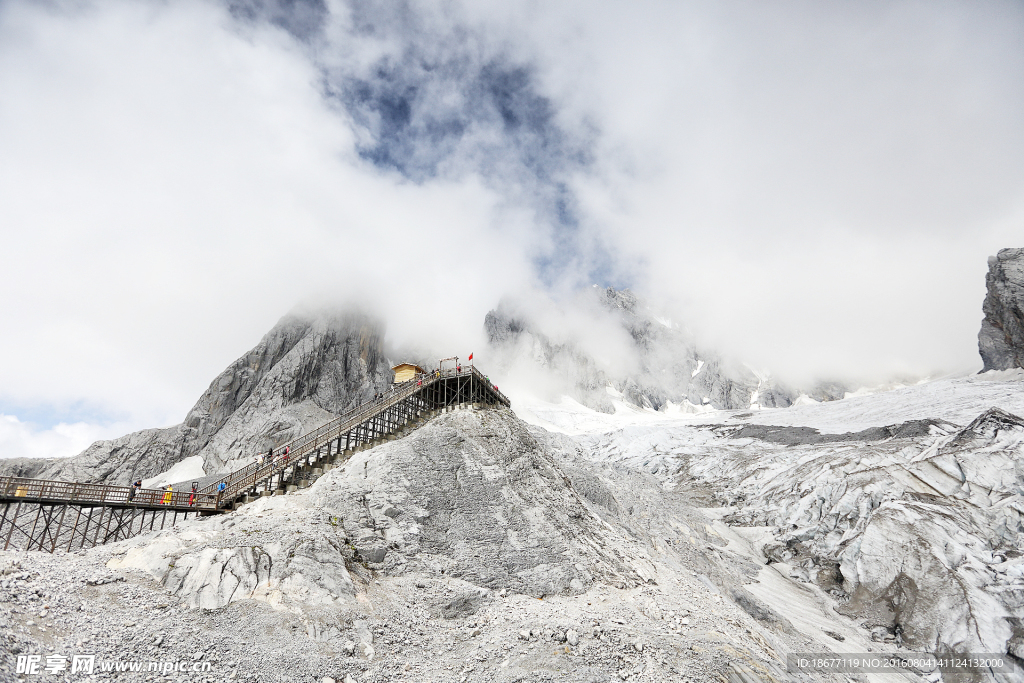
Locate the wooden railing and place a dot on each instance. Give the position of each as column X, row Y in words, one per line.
column 251, row 474
column 17, row 489
column 254, row 473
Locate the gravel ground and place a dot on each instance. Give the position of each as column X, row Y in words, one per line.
column 474, row 549
column 73, row 605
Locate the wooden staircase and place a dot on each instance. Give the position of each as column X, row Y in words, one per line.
column 37, row 514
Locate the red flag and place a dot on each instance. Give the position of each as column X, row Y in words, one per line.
column 471, row 356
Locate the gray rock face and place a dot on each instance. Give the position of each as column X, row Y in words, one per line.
column 117, row 461
column 306, row 369
column 476, row 497
column 663, row 364
column 1001, row 339
column 419, row 559
column 472, row 496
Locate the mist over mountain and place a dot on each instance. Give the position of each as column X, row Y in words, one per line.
column 314, row 364
column 604, row 536
column 682, row 477
column 309, row 367
column 613, row 345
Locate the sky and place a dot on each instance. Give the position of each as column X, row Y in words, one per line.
column 811, row 187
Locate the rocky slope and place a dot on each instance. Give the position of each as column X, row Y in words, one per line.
column 304, row 370
column 476, row 548
column 310, row 367
column 473, row 496
column 643, row 548
column 912, row 531
column 662, row 363
column 917, row 534
column 1001, row 340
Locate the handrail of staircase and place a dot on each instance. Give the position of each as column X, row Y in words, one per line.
column 40, row 490
column 253, row 473
column 297, row 446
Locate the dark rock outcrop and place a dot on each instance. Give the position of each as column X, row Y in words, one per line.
column 1001, row 340
column 305, row 370
column 796, row 436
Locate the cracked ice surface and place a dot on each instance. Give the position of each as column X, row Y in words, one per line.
column 914, row 534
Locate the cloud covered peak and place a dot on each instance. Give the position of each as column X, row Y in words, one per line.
column 817, row 191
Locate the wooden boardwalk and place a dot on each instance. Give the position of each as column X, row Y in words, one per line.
column 37, row 514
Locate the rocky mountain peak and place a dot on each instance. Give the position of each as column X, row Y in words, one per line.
column 1001, row 339
column 662, row 364
column 620, row 299
column 987, row 426
column 306, row 369
column 330, row 360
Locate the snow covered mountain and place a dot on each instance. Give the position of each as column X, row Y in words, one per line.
column 909, row 532
column 572, row 544
column 637, row 528
column 670, row 517
column 656, row 364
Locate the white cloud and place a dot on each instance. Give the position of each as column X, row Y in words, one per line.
column 170, row 186
column 815, row 187
column 21, row 439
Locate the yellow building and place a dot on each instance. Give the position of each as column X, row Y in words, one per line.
column 406, row 371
